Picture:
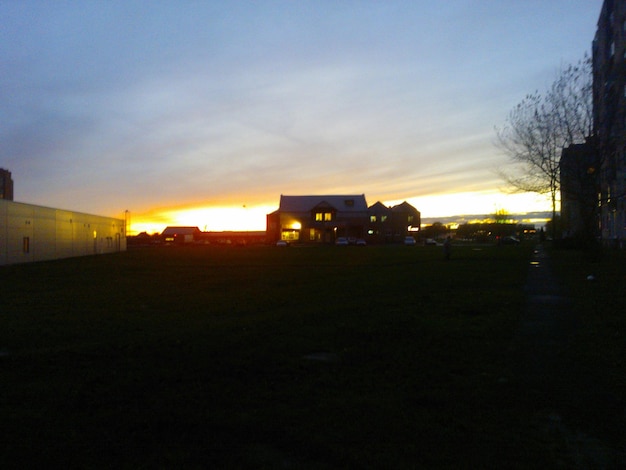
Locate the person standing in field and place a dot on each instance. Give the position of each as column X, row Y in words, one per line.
column 447, row 248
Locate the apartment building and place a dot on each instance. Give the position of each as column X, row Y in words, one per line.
column 609, row 103
column 6, row 185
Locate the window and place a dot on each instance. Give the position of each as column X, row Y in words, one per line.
column 323, row 216
column 372, row 218
column 290, row 235
column 383, row 218
column 349, row 202
column 26, row 245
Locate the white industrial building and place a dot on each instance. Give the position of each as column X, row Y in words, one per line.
column 34, row 233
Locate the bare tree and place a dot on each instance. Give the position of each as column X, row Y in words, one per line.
column 540, row 126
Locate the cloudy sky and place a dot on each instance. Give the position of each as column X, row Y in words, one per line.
column 159, row 107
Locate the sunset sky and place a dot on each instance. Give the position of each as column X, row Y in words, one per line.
column 204, row 112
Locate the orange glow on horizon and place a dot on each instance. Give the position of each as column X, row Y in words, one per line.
column 253, row 218
column 478, row 203
column 207, row 219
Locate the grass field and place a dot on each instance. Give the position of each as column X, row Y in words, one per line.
column 323, row 357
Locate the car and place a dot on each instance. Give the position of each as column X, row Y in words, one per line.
column 360, row 242
column 282, row 243
column 341, row 241
column 430, row 241
column 409, row 241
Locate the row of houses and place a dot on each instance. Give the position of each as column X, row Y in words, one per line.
column 316, row 220
column 323, row 219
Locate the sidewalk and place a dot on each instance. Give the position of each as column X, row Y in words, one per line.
column 545, row 327
column 546, row 378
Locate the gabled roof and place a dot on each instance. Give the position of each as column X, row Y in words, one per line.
column 180, row 230
column 379, row 208
column 342, row 203
column 404, row 207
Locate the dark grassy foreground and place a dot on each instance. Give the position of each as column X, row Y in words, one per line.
column 261, row 357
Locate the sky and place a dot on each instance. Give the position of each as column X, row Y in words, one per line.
column 204, row 112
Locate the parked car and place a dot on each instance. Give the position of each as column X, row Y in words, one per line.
column 510, row 241
column 409, row 241
column 430, row 241
column 282, row 243
column 360, row 242
column 341, row 241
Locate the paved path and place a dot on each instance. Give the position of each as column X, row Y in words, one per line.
column 556, row 387
column 546, row 326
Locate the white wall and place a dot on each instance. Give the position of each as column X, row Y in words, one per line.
column 34, row 233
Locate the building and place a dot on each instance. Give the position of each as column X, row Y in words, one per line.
column 404, row 218
column 609, row 116
column 6, row 185
column 323, row 219
column 180, row 235
column 34, row 233
column 318, row 219
column 392, row 224
column 380, row 229
column 579, row 183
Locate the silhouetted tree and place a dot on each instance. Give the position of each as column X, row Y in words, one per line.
column 540, row 126
column 501, row 216
column 435, row 230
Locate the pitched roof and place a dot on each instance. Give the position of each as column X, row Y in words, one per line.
column 180, row 230
column 404, row 207
column 343, row 203
column 379, row 208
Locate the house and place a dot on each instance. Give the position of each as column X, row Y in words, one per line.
column 380, row 229
column 392, row 224
column 180, row 235
column 323, row 219
column 404, row 218
column 318, row 219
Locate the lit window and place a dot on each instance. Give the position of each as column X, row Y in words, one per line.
column 372, row 218
column 290, row 235
column 383, row 218
column 325, row 216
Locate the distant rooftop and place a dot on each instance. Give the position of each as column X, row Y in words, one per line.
column 344, row 203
